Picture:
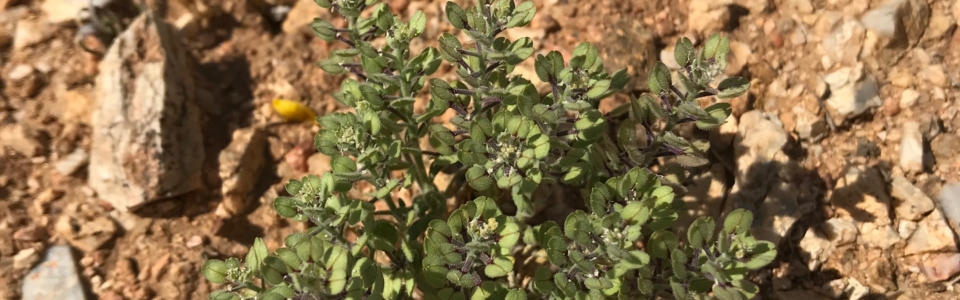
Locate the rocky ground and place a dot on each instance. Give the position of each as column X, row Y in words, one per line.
column 847, row 146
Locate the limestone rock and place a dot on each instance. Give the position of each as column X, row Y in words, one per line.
column 62, row 11
column 777, row 213
column 949, row 201
column 860, row 196
column 20, row 138
column 761, row 169
column 933, row 234
column 302, row 14
column 703, row 197
column 708, row 16
column 852, row 92
column 940, row 24
column 945, row 147
column 935, row 75
column 147, row 143
column 840, row 231
column 898, row 24
column 913, row 203
column 908, row 98
column 757, row 146
column 31, row 32
column 941, row 268
column 816, row 249
column 740, row 55
column 23, row 81
column 809, row 125
column 72, row 162
column 760, row 138
column 843, row 44
column 25, row 258
column 722, row 137
column 911, row 147
column 240, row 165
column 56, row 277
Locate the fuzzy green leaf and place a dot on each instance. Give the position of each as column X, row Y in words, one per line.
column 738, row 221
column 256, row 255
column 215, row 271
column 342, row 164
column 323, row 29
column 336, row 262
column 710, row 47
column 286, row 206
column 598, row 89
column 323, row 3
column 418, row 22
column 223, row 295
column 661, row 243
column 520, row 50
column 701, row 232
column 456, row 15
column 289, row 258
column 543, row 281
column 646, row 110
column 450, row 47
column 500, row 267
column 659, row 78
column 683, row 51
column 763, row 254
column 733, row 87
column 522, row 15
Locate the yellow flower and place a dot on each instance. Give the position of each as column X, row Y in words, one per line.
column 293, row 110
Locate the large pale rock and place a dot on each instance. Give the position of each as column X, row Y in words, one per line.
column 911, row 147
column 852, row 93
column 758, row 147
column 913, row 203
column 941, row 23
column 815, row 249
column 761, row 176
column 860, row 196
column 777, row 213
column 897, row 26
column 843, row 44
column 809, row 125
column 240, row 165
column 147, row 143
column 62, row 11
column 31, row 32
column 933, row 234
column 722, row 137
column 56, row 277
column 20, row 138
column 949, row 201
column 704, row 195
column 708, row 16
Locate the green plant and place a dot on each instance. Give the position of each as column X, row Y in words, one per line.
column 508, row 144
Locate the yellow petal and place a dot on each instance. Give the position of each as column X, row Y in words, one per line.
column 293, row 110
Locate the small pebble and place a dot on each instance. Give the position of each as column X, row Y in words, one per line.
column 194, row 241
column 25, row 258
column 72, row 162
